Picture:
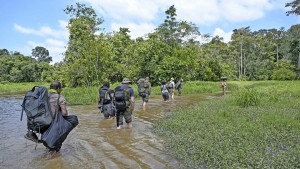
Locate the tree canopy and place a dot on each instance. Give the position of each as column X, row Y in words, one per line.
column 173, row 50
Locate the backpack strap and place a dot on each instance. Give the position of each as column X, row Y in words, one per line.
column 22, row 109
column 57, row 107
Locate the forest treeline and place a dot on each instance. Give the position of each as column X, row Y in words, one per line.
column 176, row 48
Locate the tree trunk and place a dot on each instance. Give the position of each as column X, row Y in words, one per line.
column 241, row 64
column 299, row 60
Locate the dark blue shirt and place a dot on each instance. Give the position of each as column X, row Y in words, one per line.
column 130, row 90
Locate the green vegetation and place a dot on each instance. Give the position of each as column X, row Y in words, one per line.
column 89, row 95
column 234, row 133
column 173, row 49
column 17, row 88
column 256, row 126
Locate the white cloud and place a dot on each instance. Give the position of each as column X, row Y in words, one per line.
column 246, row 10
column 126, row 10
column 200, row 12
column 55, row 40
column 136, row 30
column 44, row 31
column 225, row 35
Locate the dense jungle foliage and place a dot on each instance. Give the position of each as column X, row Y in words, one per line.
column 175, row 48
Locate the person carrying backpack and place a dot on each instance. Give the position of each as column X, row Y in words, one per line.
column 124, row 103
column 171, row 87
column 164, row 90
column 144, row 89
column 56, row 101
column 105, row 103
column 178, row 86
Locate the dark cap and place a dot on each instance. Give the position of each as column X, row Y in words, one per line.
column 55, row 85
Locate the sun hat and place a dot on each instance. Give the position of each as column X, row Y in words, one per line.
column 126, row 81
column 172, row 78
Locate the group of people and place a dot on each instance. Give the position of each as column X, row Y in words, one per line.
column 118, row 103
column 168, row 88
column 110, row 101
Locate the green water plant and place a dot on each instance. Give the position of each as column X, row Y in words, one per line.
column 247, row 97
column 219, row 134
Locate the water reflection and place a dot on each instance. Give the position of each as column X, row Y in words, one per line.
column 95, row 142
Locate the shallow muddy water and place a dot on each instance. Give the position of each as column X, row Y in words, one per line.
column 94, row 143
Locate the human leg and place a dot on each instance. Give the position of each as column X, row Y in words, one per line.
column 179, row 91
column 119, row 116
column 128, row 118
column 106, row 110
column 112, row 113
column 165, row 96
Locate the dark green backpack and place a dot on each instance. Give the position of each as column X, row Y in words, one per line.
column 104, row 96
column 122, row 98
column 143, row 85
column 37, row 108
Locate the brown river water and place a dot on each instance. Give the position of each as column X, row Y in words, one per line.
column 95, row 143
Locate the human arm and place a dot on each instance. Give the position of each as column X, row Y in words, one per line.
column 132, row 104
column 132, row 100
column 63, row 109
column 63, row 106
column 149, row 88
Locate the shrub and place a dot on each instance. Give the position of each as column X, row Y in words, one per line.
column 284, row 74
column 247, row 97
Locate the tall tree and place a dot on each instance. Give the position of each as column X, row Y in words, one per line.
column 81, row 52
column 295, row 7
column 240, row 39
column 293, row 43
column 4, row 52
column 122, row 50
column 41, row 54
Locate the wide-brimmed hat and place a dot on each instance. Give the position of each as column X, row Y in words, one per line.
column 172, row 78
column 126, row 81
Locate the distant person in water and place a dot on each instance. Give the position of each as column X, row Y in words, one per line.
column 124, row 103
column 105, row 103
column 164, row 90
column 178, row 86
column 171, row 87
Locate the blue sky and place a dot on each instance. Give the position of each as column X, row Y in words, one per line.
column 27, row 24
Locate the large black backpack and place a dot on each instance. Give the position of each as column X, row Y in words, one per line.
column 59, row 129
column 122, row 98
column 37, row 108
